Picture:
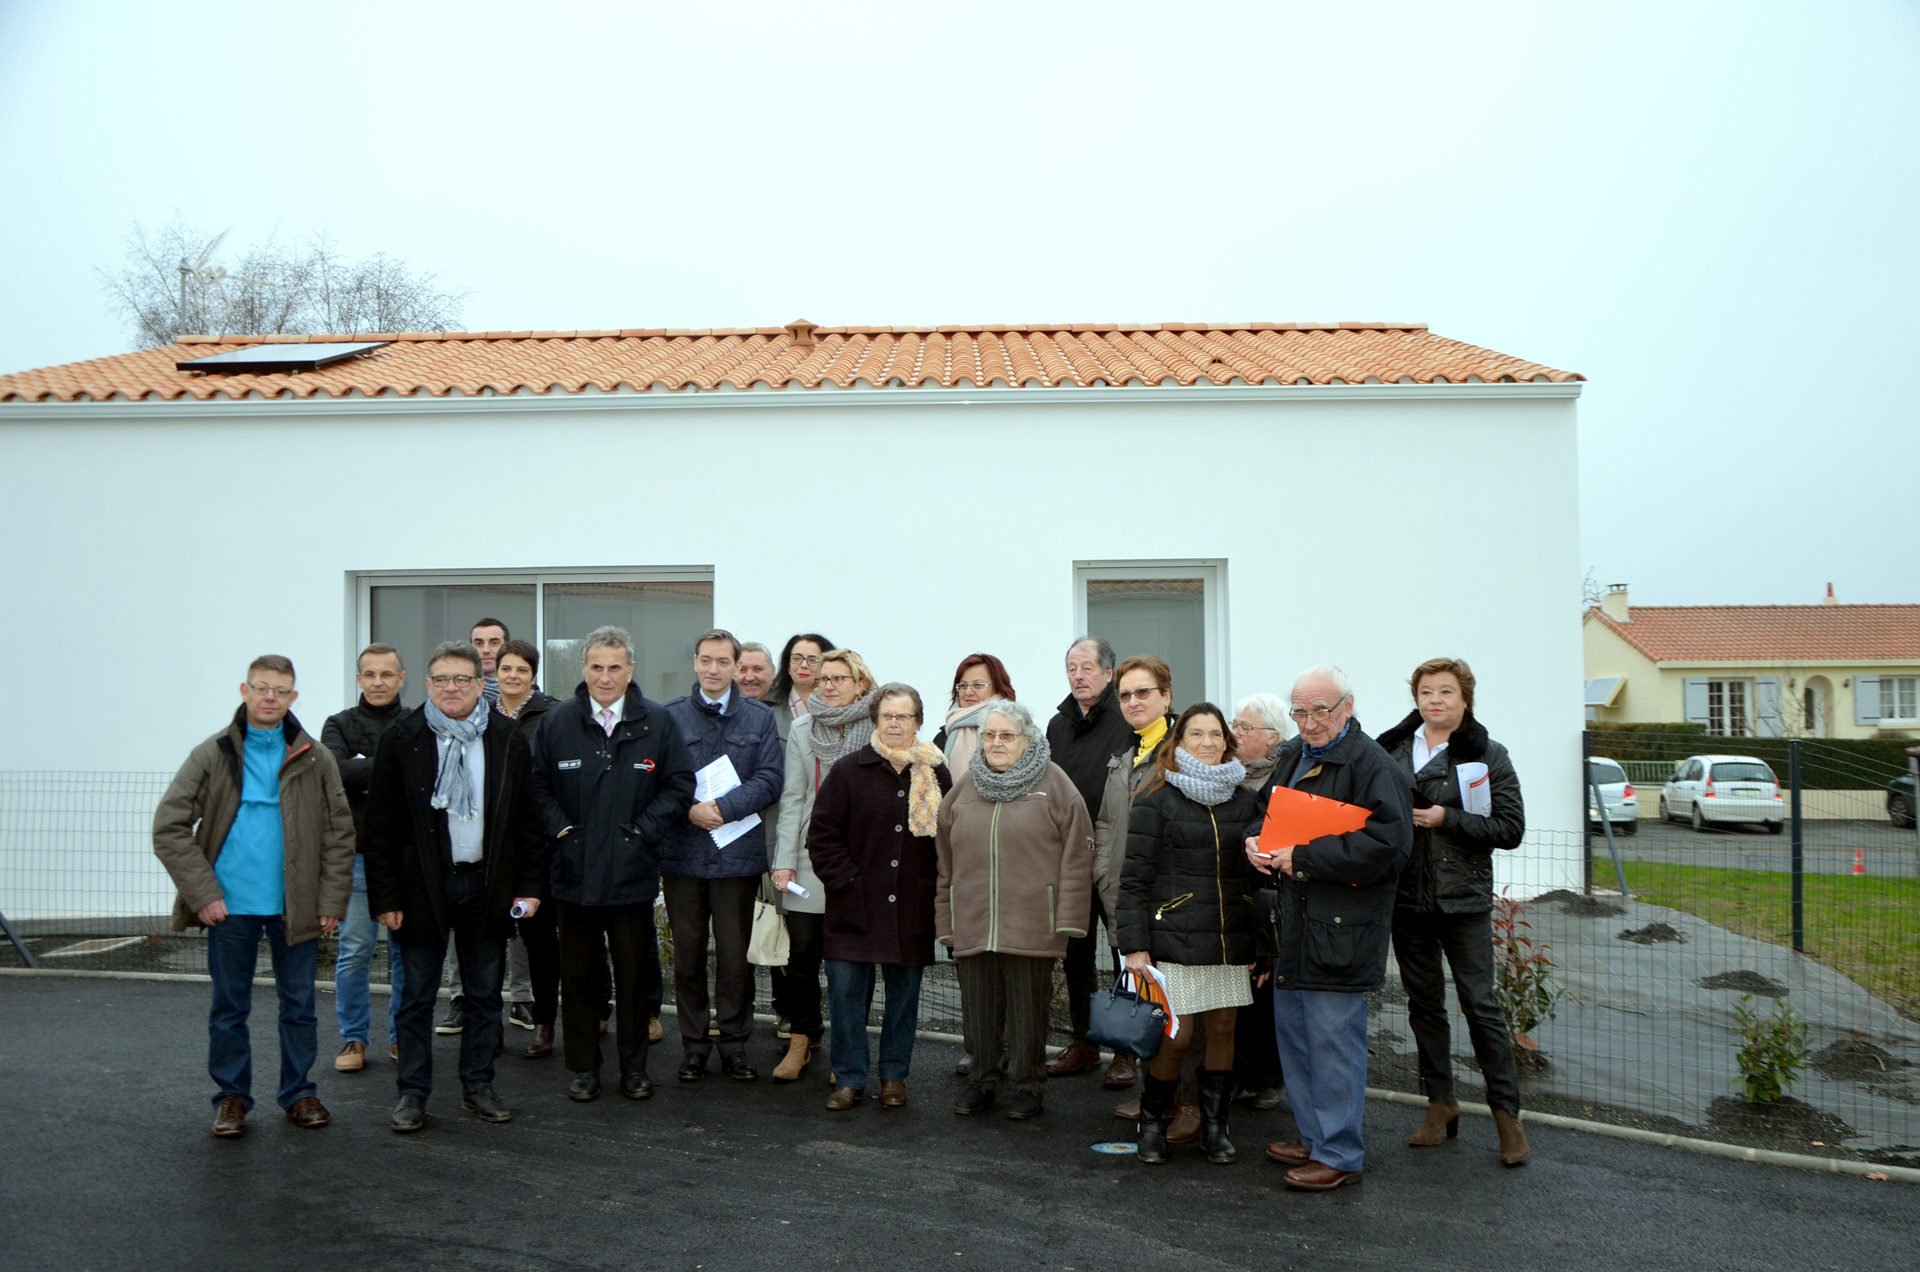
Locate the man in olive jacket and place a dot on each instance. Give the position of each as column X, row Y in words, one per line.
column 1335, row 920
column 611, row 779
column 257, row 834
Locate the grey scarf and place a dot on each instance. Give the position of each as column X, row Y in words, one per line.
column 1023, row 776
column 837, row 732
column 1208, row 784
column 1258, row 771
column 452, row 786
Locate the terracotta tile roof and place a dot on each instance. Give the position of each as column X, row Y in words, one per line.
column 801, row 355
column 1771, row 633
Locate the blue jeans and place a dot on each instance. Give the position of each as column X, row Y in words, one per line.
column 352, row 1002
column 850, row 999
column 1322, row 1040
column 482, row 961
column 233, row 950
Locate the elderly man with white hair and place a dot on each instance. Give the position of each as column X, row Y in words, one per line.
column 1015, row 847
column 1335, row 903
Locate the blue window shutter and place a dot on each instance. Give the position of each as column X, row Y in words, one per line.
column 1767, row 722
column 1866, row 699
column 1694, row 700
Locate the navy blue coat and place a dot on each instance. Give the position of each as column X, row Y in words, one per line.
column 615, row 798
column 748, row 736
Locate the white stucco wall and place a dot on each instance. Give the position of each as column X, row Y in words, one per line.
column 155, row 549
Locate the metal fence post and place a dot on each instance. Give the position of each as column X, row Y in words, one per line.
column 1799, row 848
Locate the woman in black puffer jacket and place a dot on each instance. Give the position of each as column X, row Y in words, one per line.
column 1445, row 902
column 1185, row 908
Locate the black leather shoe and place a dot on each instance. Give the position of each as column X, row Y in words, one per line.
column 636, row 1086
column 738, row 1068
column 1023, row 1106
column 485, row 1103
column 975, row 1099
column 409, row 1115
column 584, row 1087
column 692, row 1069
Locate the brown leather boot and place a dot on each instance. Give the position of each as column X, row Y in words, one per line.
column 1443, row 1123
column 1514, row 1149
column 794, row 1063
column 1185, row 1127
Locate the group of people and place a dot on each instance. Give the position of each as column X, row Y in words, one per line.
column 801, row 782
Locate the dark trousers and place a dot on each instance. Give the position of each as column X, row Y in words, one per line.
column 233, row 951
column 1082, row 979
column 1420, row 940
column 726, row 905
column 1003, row 1011
column 850, row 993
column 541, row 935
column 1256, row 1056
column 482, row 963
column 796, row 987
column 628, row 933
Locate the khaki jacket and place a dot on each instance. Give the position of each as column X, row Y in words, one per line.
column 1015, row 877
column 191, row 824
column 1124, row 779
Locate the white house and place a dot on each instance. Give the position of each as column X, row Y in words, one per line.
column 1246, row 499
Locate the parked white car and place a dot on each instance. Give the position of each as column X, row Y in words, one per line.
column 1720, row 790
column 1616, row 794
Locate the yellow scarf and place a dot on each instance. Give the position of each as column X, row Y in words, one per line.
column 1149, row 738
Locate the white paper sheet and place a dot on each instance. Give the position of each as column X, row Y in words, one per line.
column 1476, row 789
column 717, row 779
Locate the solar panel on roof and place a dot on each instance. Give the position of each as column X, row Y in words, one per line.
column 282, row 357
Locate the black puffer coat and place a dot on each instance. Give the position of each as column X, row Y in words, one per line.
column 1186, row 891
column 1451, row 869
column 353, row 736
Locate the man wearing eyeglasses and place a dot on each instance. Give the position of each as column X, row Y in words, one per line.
column 1336, row 916
column 612, row 777
column 256, row 832
column 454, row 852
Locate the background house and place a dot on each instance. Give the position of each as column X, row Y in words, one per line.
column 1235, row 496
column 1820, row 671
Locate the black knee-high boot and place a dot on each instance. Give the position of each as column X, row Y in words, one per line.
column 1216, row 1093
column 1156, row 1110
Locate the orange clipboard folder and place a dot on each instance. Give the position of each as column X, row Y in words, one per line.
column 1295, row 818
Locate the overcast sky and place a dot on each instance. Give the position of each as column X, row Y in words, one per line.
column 1707, row 209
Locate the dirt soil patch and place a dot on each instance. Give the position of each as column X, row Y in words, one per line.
column 1789, row 1125
column 1853, row 1058
column 1653, row 934
column 1745, row 982
column 1579, row 906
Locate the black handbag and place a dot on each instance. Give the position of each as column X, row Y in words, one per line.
column 1124, row 1021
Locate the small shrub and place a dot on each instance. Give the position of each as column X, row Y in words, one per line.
column 1522, row 975
column 1773, row 1051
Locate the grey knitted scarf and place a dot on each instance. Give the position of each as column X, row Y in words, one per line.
column 1208, row 784
column 1024, row 774
column 837, row 732
column 452, row 787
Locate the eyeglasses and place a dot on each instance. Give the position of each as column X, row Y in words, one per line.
column 897, row 717
column 836, row 680
column 459, row 682
column 996, row 736
column 973, row 686
column 1316, row 713
column 270, row 691
column 1128, row 695
column 804, row 660
column 1252, row 728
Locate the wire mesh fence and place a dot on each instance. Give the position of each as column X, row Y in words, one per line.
column 1822, row 918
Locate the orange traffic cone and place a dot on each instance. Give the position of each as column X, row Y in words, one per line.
column 1859, row 861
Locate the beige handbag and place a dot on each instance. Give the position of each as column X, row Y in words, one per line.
column 768, row 945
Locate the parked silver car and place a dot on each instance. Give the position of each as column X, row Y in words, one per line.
column 1616, row 794
column 1720, row 790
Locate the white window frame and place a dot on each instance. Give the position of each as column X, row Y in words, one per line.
column 1719, row 691
column 1890, row 694
column 1212, row 574
column 364, row 581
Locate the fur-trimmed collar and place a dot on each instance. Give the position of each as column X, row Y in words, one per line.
column 1468, row 744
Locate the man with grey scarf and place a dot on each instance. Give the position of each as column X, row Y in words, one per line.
column 453, row 850
column 1015, row 848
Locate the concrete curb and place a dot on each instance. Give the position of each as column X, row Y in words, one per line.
column 1658, row 1139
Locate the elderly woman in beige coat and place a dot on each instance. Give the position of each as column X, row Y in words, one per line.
column 1015, row 849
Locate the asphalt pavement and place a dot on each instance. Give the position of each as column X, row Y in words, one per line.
column 1828, row 847
column 107, row 1163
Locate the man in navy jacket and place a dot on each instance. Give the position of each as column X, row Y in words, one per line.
column 611, row 781
column 709, row 882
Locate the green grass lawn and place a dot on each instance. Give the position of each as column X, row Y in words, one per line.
column 1868, row 929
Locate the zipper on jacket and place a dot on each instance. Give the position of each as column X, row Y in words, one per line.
column 1219, row 884
column 993, row 880
column 1167, row 907
column 1052, row 923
